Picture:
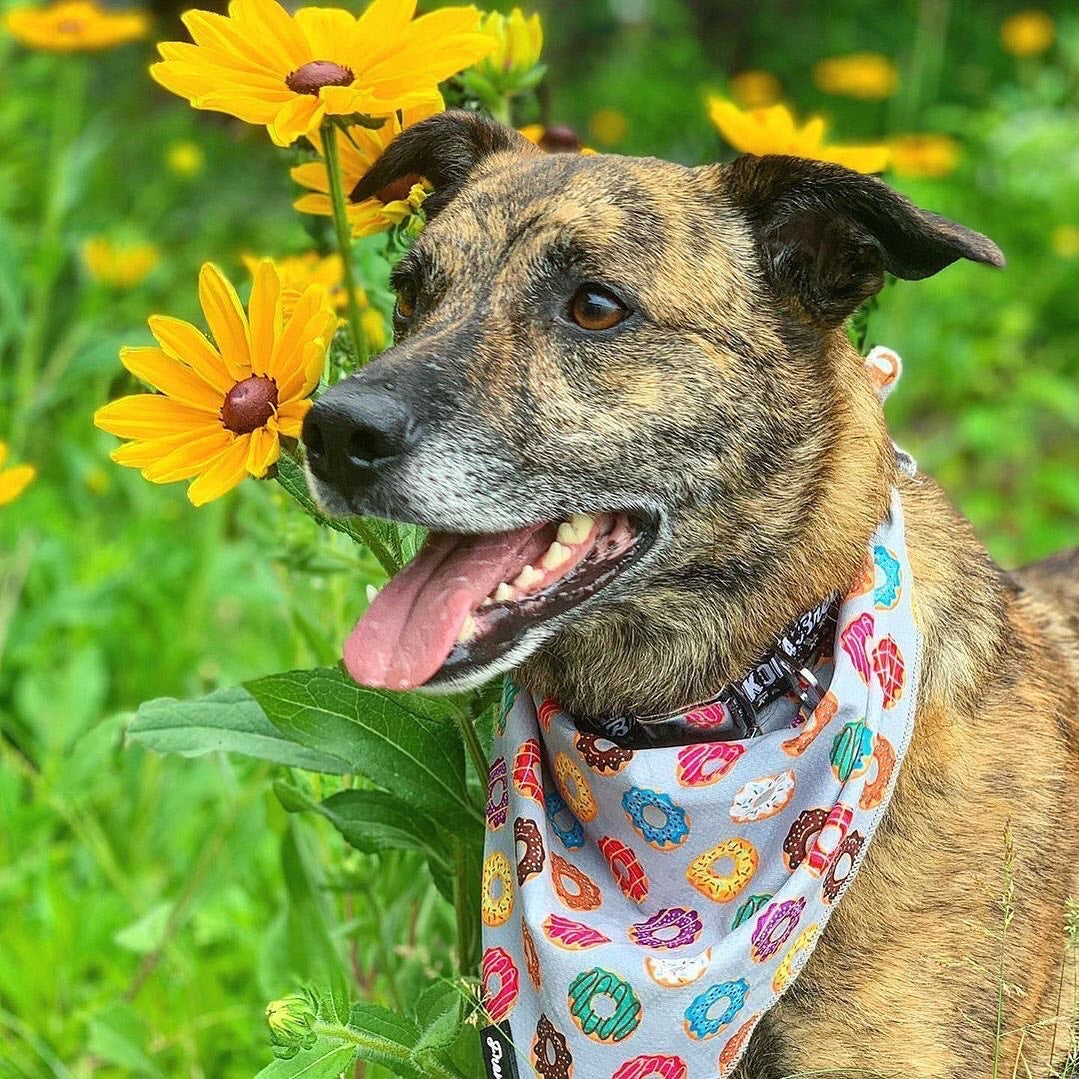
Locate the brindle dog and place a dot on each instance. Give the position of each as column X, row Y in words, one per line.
column 597, row 333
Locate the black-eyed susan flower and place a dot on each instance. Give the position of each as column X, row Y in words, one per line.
column 513, row 65
column 223, row 407
column 555, row 139
column 265, row 66
column 363, row 147
column 755, row 89
column 299, row 272
column 118, row 265
column 1027, row 33
column 924, row 156
column 15, row 480
column 866, row 75
column 74, row 26
column 774, row 130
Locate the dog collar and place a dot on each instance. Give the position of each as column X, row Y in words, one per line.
column 643, row 908
column 743, row 708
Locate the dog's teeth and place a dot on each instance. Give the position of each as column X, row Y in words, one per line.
column 468, row 630
column 372, row 591
column 527, row 578
column 504, row 592
column 576, row 529
column 555, row 555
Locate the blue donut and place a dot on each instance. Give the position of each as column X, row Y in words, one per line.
column 573, row 836
column 675, row 827
column 699, row 1025
column 886, row 594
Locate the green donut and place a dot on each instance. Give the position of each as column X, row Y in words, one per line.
column 597, row 982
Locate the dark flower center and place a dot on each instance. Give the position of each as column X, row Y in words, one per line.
column 560, row 139
column 249, row 404
column 316, row 74
column 397, row 189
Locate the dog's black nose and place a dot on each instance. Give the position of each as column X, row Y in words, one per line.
column 352, row 430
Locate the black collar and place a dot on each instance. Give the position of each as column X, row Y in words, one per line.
column 735, row 710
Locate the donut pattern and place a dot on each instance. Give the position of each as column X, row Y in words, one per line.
column 644, row 904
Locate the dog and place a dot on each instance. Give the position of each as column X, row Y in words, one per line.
column 657, row 353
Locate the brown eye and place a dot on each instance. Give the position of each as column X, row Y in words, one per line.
column 594, row 308
column 406, row 300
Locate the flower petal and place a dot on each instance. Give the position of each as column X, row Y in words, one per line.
column 14, row 481
column 289, row 419
column 183, row 342
column 264, row 314
column 295, row 119
column 226, row 320
column 146, row 452
column 148, row 415
column 171, row 377
column 189, row 459
column 264, row 451
column 226, row 472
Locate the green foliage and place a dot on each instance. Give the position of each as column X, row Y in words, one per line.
column 169, row 867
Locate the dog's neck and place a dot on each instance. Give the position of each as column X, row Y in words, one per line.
column 707, row 616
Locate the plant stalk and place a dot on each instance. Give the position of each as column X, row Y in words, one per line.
column 344, row 238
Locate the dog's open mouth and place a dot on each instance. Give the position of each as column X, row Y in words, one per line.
column 465, row 601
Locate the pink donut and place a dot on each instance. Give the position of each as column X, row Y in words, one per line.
column 704, row 764
column 626, row 869
column 497, row 965
column 829, row 837
column 571, row 935
column 654, row 932
column 653, row 1067
column 526, row 770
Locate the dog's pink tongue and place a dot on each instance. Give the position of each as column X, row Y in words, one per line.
column 413, row 623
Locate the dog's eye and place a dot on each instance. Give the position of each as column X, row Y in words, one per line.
column 406, row 300
column 595, row 308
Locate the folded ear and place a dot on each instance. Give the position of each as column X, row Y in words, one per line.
column 443, row 149
column 827, row 235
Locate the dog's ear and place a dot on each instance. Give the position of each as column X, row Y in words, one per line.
column 443, row 149
column 826, row 235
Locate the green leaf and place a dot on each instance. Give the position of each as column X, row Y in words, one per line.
column 401, row 741
column 229, row 720
column 448, row 1047
column 311, row 946
column 385, row 1037
column 373, row 821
column 326, row 1059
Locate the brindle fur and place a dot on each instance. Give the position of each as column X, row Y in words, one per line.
column 734, row 403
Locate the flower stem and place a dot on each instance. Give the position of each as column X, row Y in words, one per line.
column 344, row 238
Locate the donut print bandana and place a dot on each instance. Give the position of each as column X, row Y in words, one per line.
column 643, row 908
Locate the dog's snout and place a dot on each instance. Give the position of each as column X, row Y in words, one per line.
column 354, row 429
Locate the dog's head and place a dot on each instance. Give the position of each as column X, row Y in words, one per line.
column 622, row 399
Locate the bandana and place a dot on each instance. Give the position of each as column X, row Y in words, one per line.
column 645, row 900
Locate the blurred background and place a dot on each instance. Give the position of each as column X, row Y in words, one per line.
column 142, row 922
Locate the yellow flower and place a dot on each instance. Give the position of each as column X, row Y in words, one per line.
column 1027, row 33
column 608, row 126
column 185, row 158
column 518, row 42
column 774, row 131
column 298, row 272
column 755, row 89
column 75, row 26
column 222, row 410
column 358, row 152
column 265, row 66
column 1064, row 240
column 926, row 156
column 555, row 139
column 13, row 481
column 866, row 75
column 118, row 266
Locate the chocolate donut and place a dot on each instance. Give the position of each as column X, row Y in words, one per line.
column 842, row 866
column 600, row 758
column 800, row 837
column 530, row 862
column 551, row 1058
